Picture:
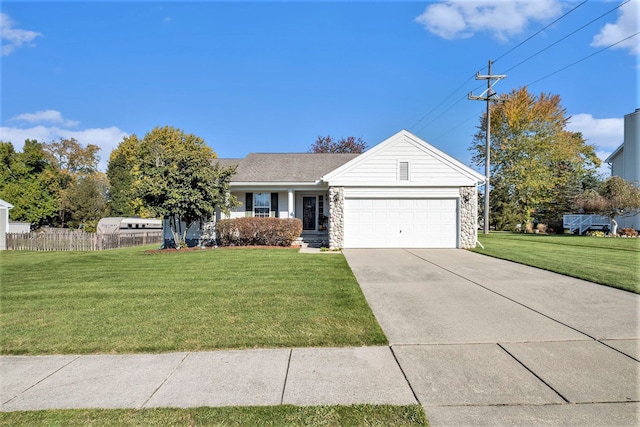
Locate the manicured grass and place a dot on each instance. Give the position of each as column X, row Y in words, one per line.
column 609, row 261
column 285, row 415
column 128, row 301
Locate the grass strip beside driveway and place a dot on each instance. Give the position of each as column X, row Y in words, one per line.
column 129, row 301
column 284, row 415
column 609, row 261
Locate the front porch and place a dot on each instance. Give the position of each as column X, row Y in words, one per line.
column 315, row 240
column 310, row 205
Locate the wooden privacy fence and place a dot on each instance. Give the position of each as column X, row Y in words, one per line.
column 79, row 241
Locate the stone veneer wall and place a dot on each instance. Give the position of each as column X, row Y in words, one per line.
column 468, row 217
column 336, row 217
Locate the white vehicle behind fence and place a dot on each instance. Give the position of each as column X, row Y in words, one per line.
column 123, row 225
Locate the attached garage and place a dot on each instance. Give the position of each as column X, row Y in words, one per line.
column 400, row 223
column 403, row 193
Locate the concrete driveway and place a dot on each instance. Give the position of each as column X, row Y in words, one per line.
column 484, row 341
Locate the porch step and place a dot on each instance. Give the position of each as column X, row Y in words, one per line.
column 314, row 242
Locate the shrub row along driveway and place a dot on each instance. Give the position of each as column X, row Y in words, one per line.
column 486, row 340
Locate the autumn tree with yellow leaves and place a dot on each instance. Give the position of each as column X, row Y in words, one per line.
column 538, row 167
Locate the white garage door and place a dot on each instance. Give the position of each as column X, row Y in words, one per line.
column 400, row 223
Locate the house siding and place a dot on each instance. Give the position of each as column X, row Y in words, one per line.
column 383, row 168
column 625, row 162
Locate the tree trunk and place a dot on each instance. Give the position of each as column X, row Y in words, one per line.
column 614, row 227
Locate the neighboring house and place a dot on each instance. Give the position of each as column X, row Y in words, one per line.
column 19, row 227
column 4, row 223
column 625, row 161
column 402, row 193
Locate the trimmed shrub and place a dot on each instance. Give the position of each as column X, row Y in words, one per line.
column 249, row 231
column 528, row 228
column 628, row 232
column 541, row 228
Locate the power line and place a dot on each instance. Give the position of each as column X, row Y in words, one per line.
column 586, row 57
column 442, row 102
column 473, row 76
column 531, row 84
column 567, row 36
column 538, row 32
column 441, row 114
column 474, row 116
column 434, row 109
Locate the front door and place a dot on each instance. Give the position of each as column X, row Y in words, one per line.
column 309, row 213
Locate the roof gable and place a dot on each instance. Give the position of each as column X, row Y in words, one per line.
column 618, row 151
column 428, row 165
column 286, row 167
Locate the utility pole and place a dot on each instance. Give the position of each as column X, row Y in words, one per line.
column 488, row 95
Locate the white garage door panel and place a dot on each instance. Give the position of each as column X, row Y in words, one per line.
column 400, row 223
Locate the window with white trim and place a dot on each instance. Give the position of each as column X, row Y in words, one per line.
column 403, row 171
column 261, row 205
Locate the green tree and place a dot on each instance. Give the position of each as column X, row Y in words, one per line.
column 88, row 199
column 74, row 164
column 28, row 182
column 615, row 197
column 536, row 164
column 326, row 144
column 173, row 175
column 121, row 178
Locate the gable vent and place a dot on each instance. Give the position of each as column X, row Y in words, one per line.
column 403, row 171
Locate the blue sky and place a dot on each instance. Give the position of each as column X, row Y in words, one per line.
column 272, row 76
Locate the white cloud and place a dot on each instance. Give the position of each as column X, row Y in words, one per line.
column 47, row 116
column 605, row 134
column 455, row 19
column 626, row 25
column 13, row 38
column 105, row 138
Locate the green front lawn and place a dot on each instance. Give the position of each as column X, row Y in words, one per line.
column 128, row 301
column 609, row 261
column 284, row 415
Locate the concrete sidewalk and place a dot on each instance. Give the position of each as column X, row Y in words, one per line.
column 300, row 376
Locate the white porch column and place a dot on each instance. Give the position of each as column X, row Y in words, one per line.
column 291, row 206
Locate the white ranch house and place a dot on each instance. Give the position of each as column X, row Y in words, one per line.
column 402, row 193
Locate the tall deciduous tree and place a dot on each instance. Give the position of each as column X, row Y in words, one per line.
column 615, row 197
column 28, row 182
column 75, row 165
column 326, row 144
column 121, row 169
column 536, row 164
column 87, row 198
column 173, row 175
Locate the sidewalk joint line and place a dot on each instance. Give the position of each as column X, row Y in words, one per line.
column 286, row 377
column 415, row 396
column 619, row 351
column 503, row 296
column 173, row 371
column 43, row 379
column 533, row 373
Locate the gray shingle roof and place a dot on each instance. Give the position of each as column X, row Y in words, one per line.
column 286, row 167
